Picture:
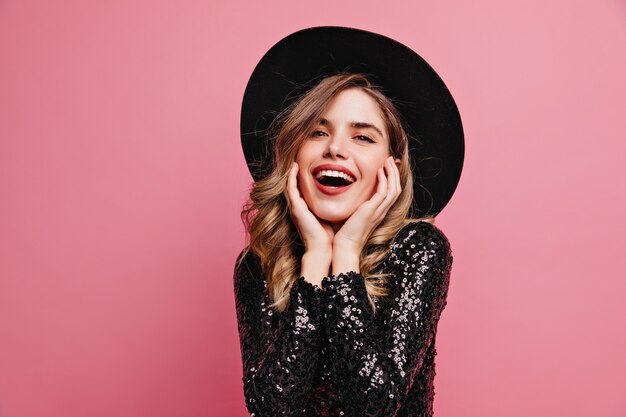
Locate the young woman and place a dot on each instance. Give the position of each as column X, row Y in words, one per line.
column 341, row 287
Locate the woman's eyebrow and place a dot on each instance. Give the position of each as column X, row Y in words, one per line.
column 367, row 125
column 364, row 125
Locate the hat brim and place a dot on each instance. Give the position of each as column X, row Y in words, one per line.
column 430, row 115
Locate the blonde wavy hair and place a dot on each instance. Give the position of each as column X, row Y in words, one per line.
column 270, row 230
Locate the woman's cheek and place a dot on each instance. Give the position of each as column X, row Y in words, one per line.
column 371, row 187
column 305, row 188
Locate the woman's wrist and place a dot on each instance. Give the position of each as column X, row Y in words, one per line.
column 315, row 265
column 345, row 260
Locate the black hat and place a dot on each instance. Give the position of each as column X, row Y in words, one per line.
column 429, row 113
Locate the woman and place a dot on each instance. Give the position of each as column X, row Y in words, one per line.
column 342, row 285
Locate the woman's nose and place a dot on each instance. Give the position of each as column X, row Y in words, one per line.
column 336, row 147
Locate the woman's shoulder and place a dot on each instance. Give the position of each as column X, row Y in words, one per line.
column 423, row 237
column 420, row 231
column 246, row 257
column 247, row 267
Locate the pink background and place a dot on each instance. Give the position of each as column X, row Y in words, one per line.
column 121, row 181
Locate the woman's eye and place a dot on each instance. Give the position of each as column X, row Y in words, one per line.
column 318, row 133
column 364, row 138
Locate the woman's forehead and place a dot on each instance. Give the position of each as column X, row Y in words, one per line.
column 354, row 107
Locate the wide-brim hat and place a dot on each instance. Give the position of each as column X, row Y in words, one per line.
column 430, row 116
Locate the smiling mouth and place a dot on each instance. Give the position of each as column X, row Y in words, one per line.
column 334, row 179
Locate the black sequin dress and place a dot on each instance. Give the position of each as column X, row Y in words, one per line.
column 327, row 354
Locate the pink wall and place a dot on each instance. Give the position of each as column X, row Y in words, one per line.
column 121, row 179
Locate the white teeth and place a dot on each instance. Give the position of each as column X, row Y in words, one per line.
column 330, row 173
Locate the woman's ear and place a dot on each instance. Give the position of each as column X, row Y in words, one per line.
column 397, row 161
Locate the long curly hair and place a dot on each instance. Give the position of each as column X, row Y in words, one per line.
column 271, row 233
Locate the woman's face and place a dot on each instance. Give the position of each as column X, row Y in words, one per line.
column 339, row 160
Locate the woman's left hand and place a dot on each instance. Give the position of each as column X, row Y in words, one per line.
column 351, row 238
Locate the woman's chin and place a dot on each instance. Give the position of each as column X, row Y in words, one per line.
column 332, row 216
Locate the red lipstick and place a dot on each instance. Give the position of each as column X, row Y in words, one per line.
column 332, row 190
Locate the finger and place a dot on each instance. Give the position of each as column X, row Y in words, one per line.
column 397, row 171
column 290, row 177
column 392, row 178
column 395, row 174
column 371, row 206
column 392, row 193
column 299, row 205
column 293, row 193
column 381, row 189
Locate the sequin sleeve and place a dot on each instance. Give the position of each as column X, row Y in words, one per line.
column 374, row 371
column 278, row 366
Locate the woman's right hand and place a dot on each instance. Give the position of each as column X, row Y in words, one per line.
column 317, row 235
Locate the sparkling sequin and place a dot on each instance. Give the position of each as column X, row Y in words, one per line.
column 328, row 354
